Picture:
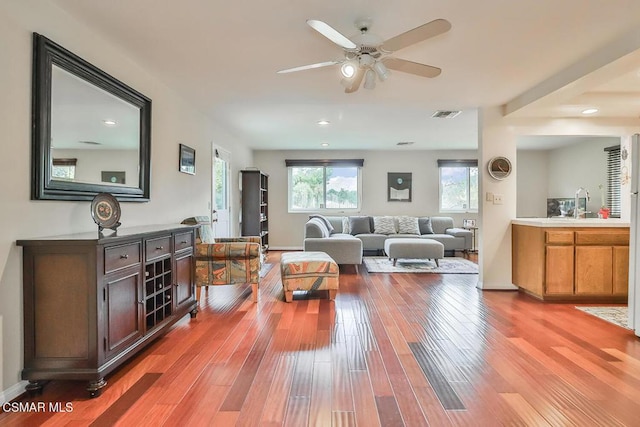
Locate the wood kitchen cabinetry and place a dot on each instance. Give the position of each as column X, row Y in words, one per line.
column 92, row 302
column 572, row 263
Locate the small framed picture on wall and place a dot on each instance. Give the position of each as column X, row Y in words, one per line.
column 398, row 187
column 187, row 163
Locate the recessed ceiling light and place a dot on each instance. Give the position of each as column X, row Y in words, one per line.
column 323, row 122
column 589, row 111
column 109, row 122
column 325, row 144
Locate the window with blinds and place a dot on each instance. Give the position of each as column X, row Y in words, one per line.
column 613, row 180
column 324, row 185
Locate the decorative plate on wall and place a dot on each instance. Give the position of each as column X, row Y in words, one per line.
column 105, row 211
column 499, row 167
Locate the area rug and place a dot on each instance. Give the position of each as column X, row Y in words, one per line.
column 449, row 265
column 616, row 315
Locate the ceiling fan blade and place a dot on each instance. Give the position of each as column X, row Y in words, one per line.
column 309, row 67
column 410, row 67
column 355, row 82
column 331, row 33
column 418, row 34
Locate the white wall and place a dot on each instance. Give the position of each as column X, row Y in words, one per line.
column 532, row 178
column 174, row 195
column 564, row 170
column 91, row 163
column 288, row 230
column 574, row 166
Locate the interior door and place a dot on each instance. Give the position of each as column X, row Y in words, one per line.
column 220, row 207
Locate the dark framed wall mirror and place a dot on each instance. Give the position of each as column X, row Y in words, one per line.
column 86, row 122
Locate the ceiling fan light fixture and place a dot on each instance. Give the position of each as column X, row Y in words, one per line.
column 348, row 70
column 381, row 70
column 370, row 79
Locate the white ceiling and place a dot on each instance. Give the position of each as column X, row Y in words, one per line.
column 223, row 57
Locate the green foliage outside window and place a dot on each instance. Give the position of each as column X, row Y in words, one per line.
column 314, row 188
column 458, row 189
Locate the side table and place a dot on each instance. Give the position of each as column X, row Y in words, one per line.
column 474, row 248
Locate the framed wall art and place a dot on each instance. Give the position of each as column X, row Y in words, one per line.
column 398, row 186
column 468, row 223
column 187, row 163
column 114, row 177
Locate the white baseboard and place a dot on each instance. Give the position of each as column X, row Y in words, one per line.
column 285, row 248
column 13, row 392
column 497, row 286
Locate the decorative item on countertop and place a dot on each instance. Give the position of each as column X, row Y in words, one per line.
column 105, row 211
column 604, row 210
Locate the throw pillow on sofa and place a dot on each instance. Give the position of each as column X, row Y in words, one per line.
column 384, row 225
column 359, row 225
column 408, row 225
column 325, row 220
column 345, row 225
column 425, row 225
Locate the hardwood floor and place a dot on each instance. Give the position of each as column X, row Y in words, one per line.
column 392, row 350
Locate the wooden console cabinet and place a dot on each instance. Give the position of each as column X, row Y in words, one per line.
column 92, row 302
column 572, row 263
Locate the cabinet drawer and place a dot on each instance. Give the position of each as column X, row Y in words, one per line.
column 156, row 248
column 183, row 241
column 559, row 237
column 598, row 237
column 119, row 257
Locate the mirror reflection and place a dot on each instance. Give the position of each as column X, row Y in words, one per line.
column 91, row 132
column 94, row 134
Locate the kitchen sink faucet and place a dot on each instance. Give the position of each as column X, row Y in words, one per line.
column 576, row 213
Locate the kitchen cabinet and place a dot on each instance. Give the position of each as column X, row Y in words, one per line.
column 572, row 263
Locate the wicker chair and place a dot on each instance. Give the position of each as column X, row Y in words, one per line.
column 229, row 260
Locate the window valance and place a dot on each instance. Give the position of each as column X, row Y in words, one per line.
column 452, row 163
column 324, row 162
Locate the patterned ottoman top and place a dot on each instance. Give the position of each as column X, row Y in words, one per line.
column 302, row 263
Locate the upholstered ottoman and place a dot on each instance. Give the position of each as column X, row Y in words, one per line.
column 308, row 271
column 413, row 248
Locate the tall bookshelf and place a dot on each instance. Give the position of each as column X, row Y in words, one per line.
column 255, row 205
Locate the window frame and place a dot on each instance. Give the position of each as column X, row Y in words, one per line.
column 614, row 169
column 324, row 164
column 458, row 163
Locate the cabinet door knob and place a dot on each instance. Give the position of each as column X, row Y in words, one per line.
column 124, row 256
column 159, row 248
column 184, row 242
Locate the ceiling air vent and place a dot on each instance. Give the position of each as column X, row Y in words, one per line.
column 443, row 114
column 405, row 143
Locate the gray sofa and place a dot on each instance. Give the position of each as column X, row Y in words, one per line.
column 348, row 247
column 343, row 248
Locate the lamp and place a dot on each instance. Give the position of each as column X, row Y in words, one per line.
column 381, row 70
column 370, row 79
column 348, row 70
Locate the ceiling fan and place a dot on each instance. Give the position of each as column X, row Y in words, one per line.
column 365, row 54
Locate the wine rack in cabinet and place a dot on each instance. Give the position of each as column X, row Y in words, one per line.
column 158, row 292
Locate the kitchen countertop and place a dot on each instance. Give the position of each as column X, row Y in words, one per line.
column 571, row 222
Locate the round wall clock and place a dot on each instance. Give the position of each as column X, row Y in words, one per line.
column 105, row 211
column 499, row 167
